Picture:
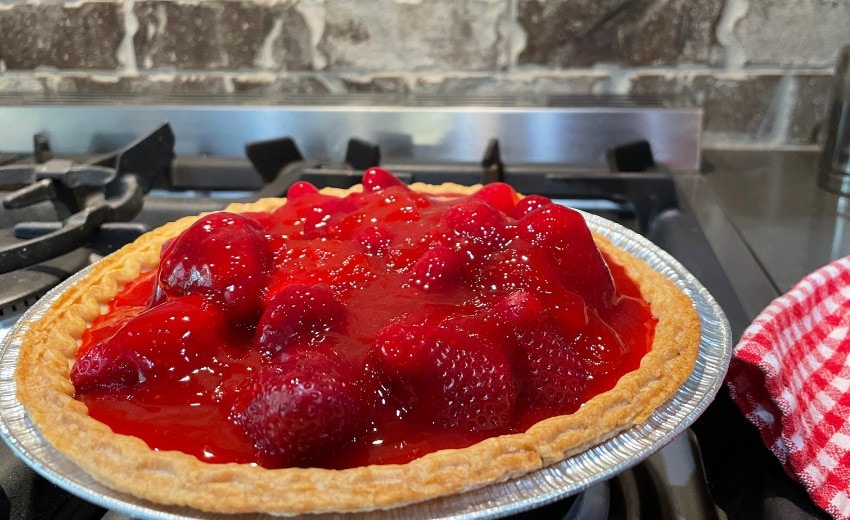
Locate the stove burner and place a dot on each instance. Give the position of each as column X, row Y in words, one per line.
column 279, row 162
column 84, row 196
column 632, row 157
column 21, row 288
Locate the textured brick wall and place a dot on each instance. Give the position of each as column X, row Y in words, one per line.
column 760, row 67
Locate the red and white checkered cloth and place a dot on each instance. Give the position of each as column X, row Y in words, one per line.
column 790, row 375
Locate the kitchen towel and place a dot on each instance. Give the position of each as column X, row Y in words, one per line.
column 790, row 376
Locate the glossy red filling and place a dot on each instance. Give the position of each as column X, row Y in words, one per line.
column 375, row 328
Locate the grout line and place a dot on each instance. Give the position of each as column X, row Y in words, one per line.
column 783, row 104
column 265, row 55
column 314, row 13
column 126, row 53
column 227, row 83
column 515, row 35
column 620, row 78
column 733, row 11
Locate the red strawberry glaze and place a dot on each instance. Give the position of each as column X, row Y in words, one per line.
column 375, row 307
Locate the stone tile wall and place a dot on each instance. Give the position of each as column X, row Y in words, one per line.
column 761, row 68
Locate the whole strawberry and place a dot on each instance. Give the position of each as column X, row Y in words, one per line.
column 297, row 313
column 224, row 257
column 478, row 222
column 563, row 233
column 437, row 375
column 171, row 340
column 305, row 407
column 553, row 372
column 438, row 269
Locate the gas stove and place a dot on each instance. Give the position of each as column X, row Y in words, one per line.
column 82, row 177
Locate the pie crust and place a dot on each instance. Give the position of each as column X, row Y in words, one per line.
column 127, row 464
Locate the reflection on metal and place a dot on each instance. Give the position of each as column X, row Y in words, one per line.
column 577, row 134
column 840, row 237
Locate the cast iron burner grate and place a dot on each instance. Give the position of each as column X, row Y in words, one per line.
column 84, row 196
column 57, row 212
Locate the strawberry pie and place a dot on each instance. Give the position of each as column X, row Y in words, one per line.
column 353, row 350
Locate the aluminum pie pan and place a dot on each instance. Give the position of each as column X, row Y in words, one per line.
column 523, row 493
